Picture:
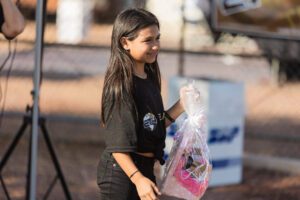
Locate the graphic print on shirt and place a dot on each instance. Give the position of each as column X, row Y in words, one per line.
column 149, row 122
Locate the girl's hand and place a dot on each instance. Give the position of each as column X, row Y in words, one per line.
column 182, row 94
column 189, row 96
column 180, row 101
column 181, row 105
column 146, row 189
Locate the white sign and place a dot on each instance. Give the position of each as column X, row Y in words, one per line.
column 225, row 111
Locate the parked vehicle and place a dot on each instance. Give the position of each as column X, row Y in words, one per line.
column 275, row 25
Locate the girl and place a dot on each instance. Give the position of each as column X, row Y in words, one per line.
column 133, row 116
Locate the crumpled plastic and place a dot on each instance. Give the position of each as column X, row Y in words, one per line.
column 188, row 166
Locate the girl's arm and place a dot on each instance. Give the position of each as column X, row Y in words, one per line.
column 177, row 108
column 174, row 112
column 13, row 20
column 145, row 187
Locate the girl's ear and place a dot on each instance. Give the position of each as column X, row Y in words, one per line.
column 124, row 43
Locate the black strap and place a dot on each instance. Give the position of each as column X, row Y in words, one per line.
column 169, row 117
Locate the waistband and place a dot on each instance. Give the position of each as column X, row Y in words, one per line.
column 139, row 159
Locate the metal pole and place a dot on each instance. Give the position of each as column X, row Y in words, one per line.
column 182, row 41
column 35, row 114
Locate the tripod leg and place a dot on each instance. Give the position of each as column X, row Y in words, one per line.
column 13, row 144
column 4, row 188
column 29, row 165
column 11, row 148
column 54, row 159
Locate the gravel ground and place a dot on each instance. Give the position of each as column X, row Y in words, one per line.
column 79, row 154
column 272, row 121
column 78, row 142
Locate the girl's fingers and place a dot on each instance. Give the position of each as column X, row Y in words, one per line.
column 152, row 196
column 156, row 190
column 148, row 197
column 152, row 193
column 144, row 197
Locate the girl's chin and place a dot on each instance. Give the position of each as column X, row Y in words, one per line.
column 152, row 60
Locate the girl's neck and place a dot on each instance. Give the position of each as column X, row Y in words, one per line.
column 139, row 71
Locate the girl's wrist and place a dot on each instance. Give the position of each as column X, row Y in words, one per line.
column 180, row 106
column 134, row 179
column 133, row 173
column 167, row 116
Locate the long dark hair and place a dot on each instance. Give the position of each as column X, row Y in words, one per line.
column 118, row 81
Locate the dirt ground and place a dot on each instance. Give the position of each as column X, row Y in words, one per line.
column 78, row 157
column 78, row 141
column 78, row 144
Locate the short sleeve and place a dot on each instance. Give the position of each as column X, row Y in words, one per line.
column 120, row 131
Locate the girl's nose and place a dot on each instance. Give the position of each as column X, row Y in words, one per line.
column 156, row 46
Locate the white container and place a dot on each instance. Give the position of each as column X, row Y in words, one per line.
column 73, row 20
column 225, row 111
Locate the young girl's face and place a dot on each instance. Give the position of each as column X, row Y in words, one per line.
column 144, row 48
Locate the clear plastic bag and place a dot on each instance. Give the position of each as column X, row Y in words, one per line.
column 188, row 167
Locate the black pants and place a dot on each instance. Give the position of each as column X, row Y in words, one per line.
column 114, row 184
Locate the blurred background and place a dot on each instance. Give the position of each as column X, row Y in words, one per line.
column 250, row 44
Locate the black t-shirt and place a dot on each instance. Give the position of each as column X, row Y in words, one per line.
column 122, row 134
column 1, row 18
column 120, row 131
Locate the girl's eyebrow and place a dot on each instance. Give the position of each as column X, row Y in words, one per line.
column 150, row 37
